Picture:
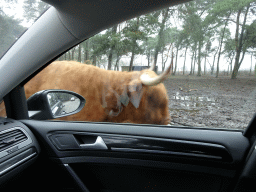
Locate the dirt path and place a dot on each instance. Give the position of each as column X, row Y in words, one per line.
column 211, row 102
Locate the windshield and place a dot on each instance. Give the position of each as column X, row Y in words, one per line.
column 15, row 18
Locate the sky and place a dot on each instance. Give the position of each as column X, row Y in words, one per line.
column 17, row 11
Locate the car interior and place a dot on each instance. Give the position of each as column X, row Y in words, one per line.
column 38, row 153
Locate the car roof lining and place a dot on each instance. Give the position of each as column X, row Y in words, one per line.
column 83, row 20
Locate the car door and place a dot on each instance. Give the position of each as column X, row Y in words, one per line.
column 123, row 157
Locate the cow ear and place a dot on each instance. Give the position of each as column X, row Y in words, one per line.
column 135, row 90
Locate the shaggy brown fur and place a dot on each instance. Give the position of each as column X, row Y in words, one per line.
column 104, row 91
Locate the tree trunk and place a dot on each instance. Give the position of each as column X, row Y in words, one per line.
column 191, row 68
column 117, row 63
column 131, row 61
column 79, row 53
column 162, row 60
column 251, row 66
column 176, row 61
column 213, row 63
column 172, row 61
column 185, row 61
column 231, row 63
column 86, row 50
column 94, row 60
column 221, row 41
column 134, row 45
column 112, row 48
column 205, row 62
column 194, row 63
column 217, row 70
column 160, row 34
column 234, row 73
column 238, row 43
column 69, row 55
column 110, row 60
column 149, row 56
column 199, row 59
column 255, row 69
column 73, row 54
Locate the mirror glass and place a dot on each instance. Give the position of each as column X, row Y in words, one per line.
column 62, row 103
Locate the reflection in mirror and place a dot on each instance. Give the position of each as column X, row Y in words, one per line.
column 62, row 103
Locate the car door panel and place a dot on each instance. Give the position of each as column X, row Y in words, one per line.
column 137, row 156
column 139, row 178
column 121, row 144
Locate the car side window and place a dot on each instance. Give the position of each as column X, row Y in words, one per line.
column 204, row 73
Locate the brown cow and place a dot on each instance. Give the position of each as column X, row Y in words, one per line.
column 111, row 96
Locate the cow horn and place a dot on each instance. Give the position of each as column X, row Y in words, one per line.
column 147, row 80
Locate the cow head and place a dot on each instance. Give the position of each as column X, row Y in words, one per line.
column 137, row 97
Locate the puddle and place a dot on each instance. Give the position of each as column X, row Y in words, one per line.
column 193, row 98
column 191, row 103
column 186, row 110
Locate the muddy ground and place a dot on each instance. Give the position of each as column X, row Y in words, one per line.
column 211, row 102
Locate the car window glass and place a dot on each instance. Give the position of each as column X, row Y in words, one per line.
column 210, row 47
column 15, row 18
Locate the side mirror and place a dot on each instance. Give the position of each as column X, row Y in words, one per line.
column 52, row 104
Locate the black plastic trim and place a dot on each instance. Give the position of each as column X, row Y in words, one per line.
column 176, row 147
column 16, row 103
column 167, row 153
column 148, row 163
column 250, row 130
column 16, row 160
column 16, row 146
column 122, row 143
column 80, row 185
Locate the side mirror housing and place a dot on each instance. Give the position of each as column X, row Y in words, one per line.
column 52, row 104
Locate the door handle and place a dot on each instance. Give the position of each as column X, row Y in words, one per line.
column 98, row 145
